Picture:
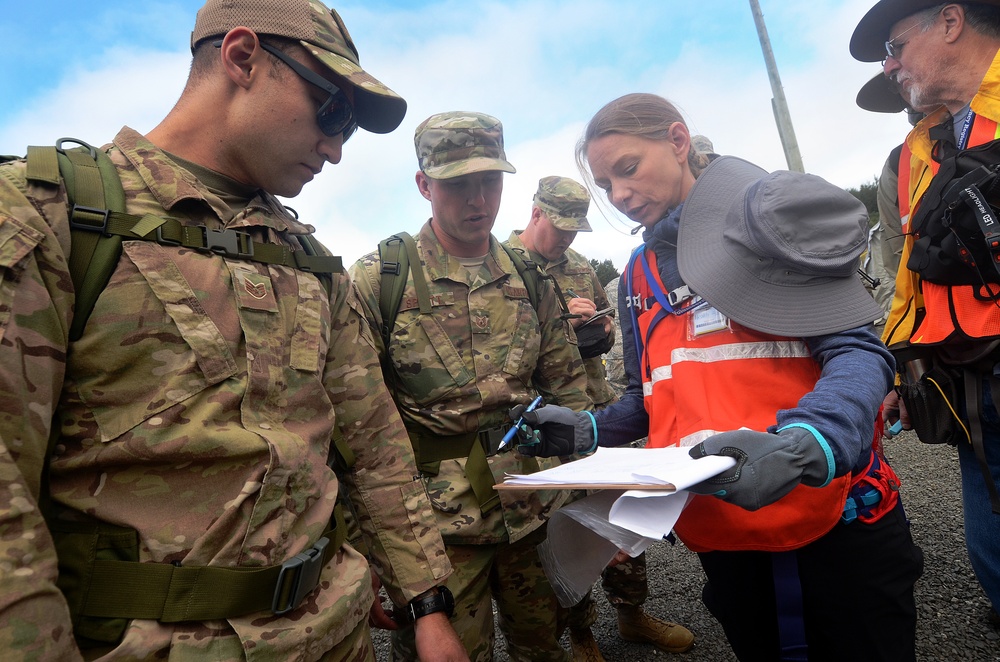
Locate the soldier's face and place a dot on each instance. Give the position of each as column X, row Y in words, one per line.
column 551, row 242
column 288, row 148
column 642, row 178
column 464, row 209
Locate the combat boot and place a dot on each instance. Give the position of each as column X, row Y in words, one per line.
column 584, row 646
column 636, row 625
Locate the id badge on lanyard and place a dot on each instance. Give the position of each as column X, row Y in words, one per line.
column 704, row 320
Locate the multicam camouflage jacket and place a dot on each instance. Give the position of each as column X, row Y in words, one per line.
column 574, row 272
column 197, row 409
column 483, row 350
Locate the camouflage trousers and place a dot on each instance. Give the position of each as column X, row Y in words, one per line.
column 624, row 585
column 511, row 574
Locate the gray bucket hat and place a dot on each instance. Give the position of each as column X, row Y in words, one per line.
column 565, row 201
column 776, row 252
column 322, row 32
column 459, row 143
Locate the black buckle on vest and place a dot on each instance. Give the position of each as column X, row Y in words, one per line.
column 298, row 577
column 230, row 243
column 390, row 268
column 83, row 218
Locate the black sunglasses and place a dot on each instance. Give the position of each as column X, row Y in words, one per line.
column 336, row 115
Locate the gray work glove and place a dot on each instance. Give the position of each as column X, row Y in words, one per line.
column 552, row 430
column 768, row 466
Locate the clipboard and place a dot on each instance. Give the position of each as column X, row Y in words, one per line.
column 600, row 314
column 662, row 487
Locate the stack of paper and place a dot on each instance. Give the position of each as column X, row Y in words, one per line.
column 666, row 469
column 586, row 534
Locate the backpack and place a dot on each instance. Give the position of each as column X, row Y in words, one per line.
column 99, row 224
column 398, row 254
column 956, row 229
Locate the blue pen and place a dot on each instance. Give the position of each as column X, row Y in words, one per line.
column 511, row 432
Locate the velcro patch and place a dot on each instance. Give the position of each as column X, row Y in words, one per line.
column 512, row 292
column 443, row 299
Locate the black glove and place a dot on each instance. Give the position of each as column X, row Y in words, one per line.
column 768, row 466
column 552, row 430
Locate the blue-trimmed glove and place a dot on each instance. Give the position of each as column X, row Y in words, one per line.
column 552, row 430
column 768, row 466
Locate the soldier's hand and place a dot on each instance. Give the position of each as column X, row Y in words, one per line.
column 585, row 308
column 437, row 641
column 768, row 466
column 378, row 617
column 551, row 431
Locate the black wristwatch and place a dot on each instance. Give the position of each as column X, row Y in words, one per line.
column 442, row 600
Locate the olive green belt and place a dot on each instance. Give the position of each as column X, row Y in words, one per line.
column 99, row 588
column 477, row 447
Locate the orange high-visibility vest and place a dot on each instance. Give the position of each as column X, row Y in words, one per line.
column 697, row 385
column 923, row 313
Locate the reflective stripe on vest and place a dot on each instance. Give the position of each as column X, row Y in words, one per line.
column 697, row 386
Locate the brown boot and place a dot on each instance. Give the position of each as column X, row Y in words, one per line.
column 584, row 647
column 636, row 625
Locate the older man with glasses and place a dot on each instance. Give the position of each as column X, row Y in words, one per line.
column 944, row 326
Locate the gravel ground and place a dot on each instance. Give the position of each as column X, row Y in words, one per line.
column 952, row 609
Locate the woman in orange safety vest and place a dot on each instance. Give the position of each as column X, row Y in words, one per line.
column 747, row 333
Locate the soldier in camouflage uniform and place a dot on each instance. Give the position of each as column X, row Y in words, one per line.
column 196, row 414
column 456, row 370
column 558, row 212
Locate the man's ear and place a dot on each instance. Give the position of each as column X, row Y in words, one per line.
column 954, row 22
column 423, row 184
column 241, row 55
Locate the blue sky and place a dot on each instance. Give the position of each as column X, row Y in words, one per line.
column 542, row 66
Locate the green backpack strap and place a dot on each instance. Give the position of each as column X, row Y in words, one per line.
column 94, row 190
column 397, row 255
column 533, row 276
column 99, row 223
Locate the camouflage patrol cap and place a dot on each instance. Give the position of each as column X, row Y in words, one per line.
column 458, row 143
column 565, row 202
column 322, row 32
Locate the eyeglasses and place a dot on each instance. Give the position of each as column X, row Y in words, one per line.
column 336, row 115
column 894, row 47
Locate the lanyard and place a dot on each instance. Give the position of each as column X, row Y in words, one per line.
column 963, row 136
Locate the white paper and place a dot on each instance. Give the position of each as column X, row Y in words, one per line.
column 671, row 466
column 649, row 513
column 581, row 542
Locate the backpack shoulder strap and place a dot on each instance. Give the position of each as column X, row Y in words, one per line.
column 533, row 276
column 94, row 190
column 397, row 255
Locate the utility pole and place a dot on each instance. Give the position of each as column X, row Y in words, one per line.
column 778, row 104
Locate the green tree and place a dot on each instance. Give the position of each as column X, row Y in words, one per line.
column 606, row 271
column 868, row 195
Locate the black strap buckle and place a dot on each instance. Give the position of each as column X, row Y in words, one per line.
column 298, row 577
column 491, row 438
column 89, row 218
column 230, row 243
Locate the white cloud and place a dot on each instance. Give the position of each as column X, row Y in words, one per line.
column 543, row 68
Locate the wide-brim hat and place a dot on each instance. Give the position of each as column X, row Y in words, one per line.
column 868, row 40
column 880, row 95
column 322, row 32
column 775, row 252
